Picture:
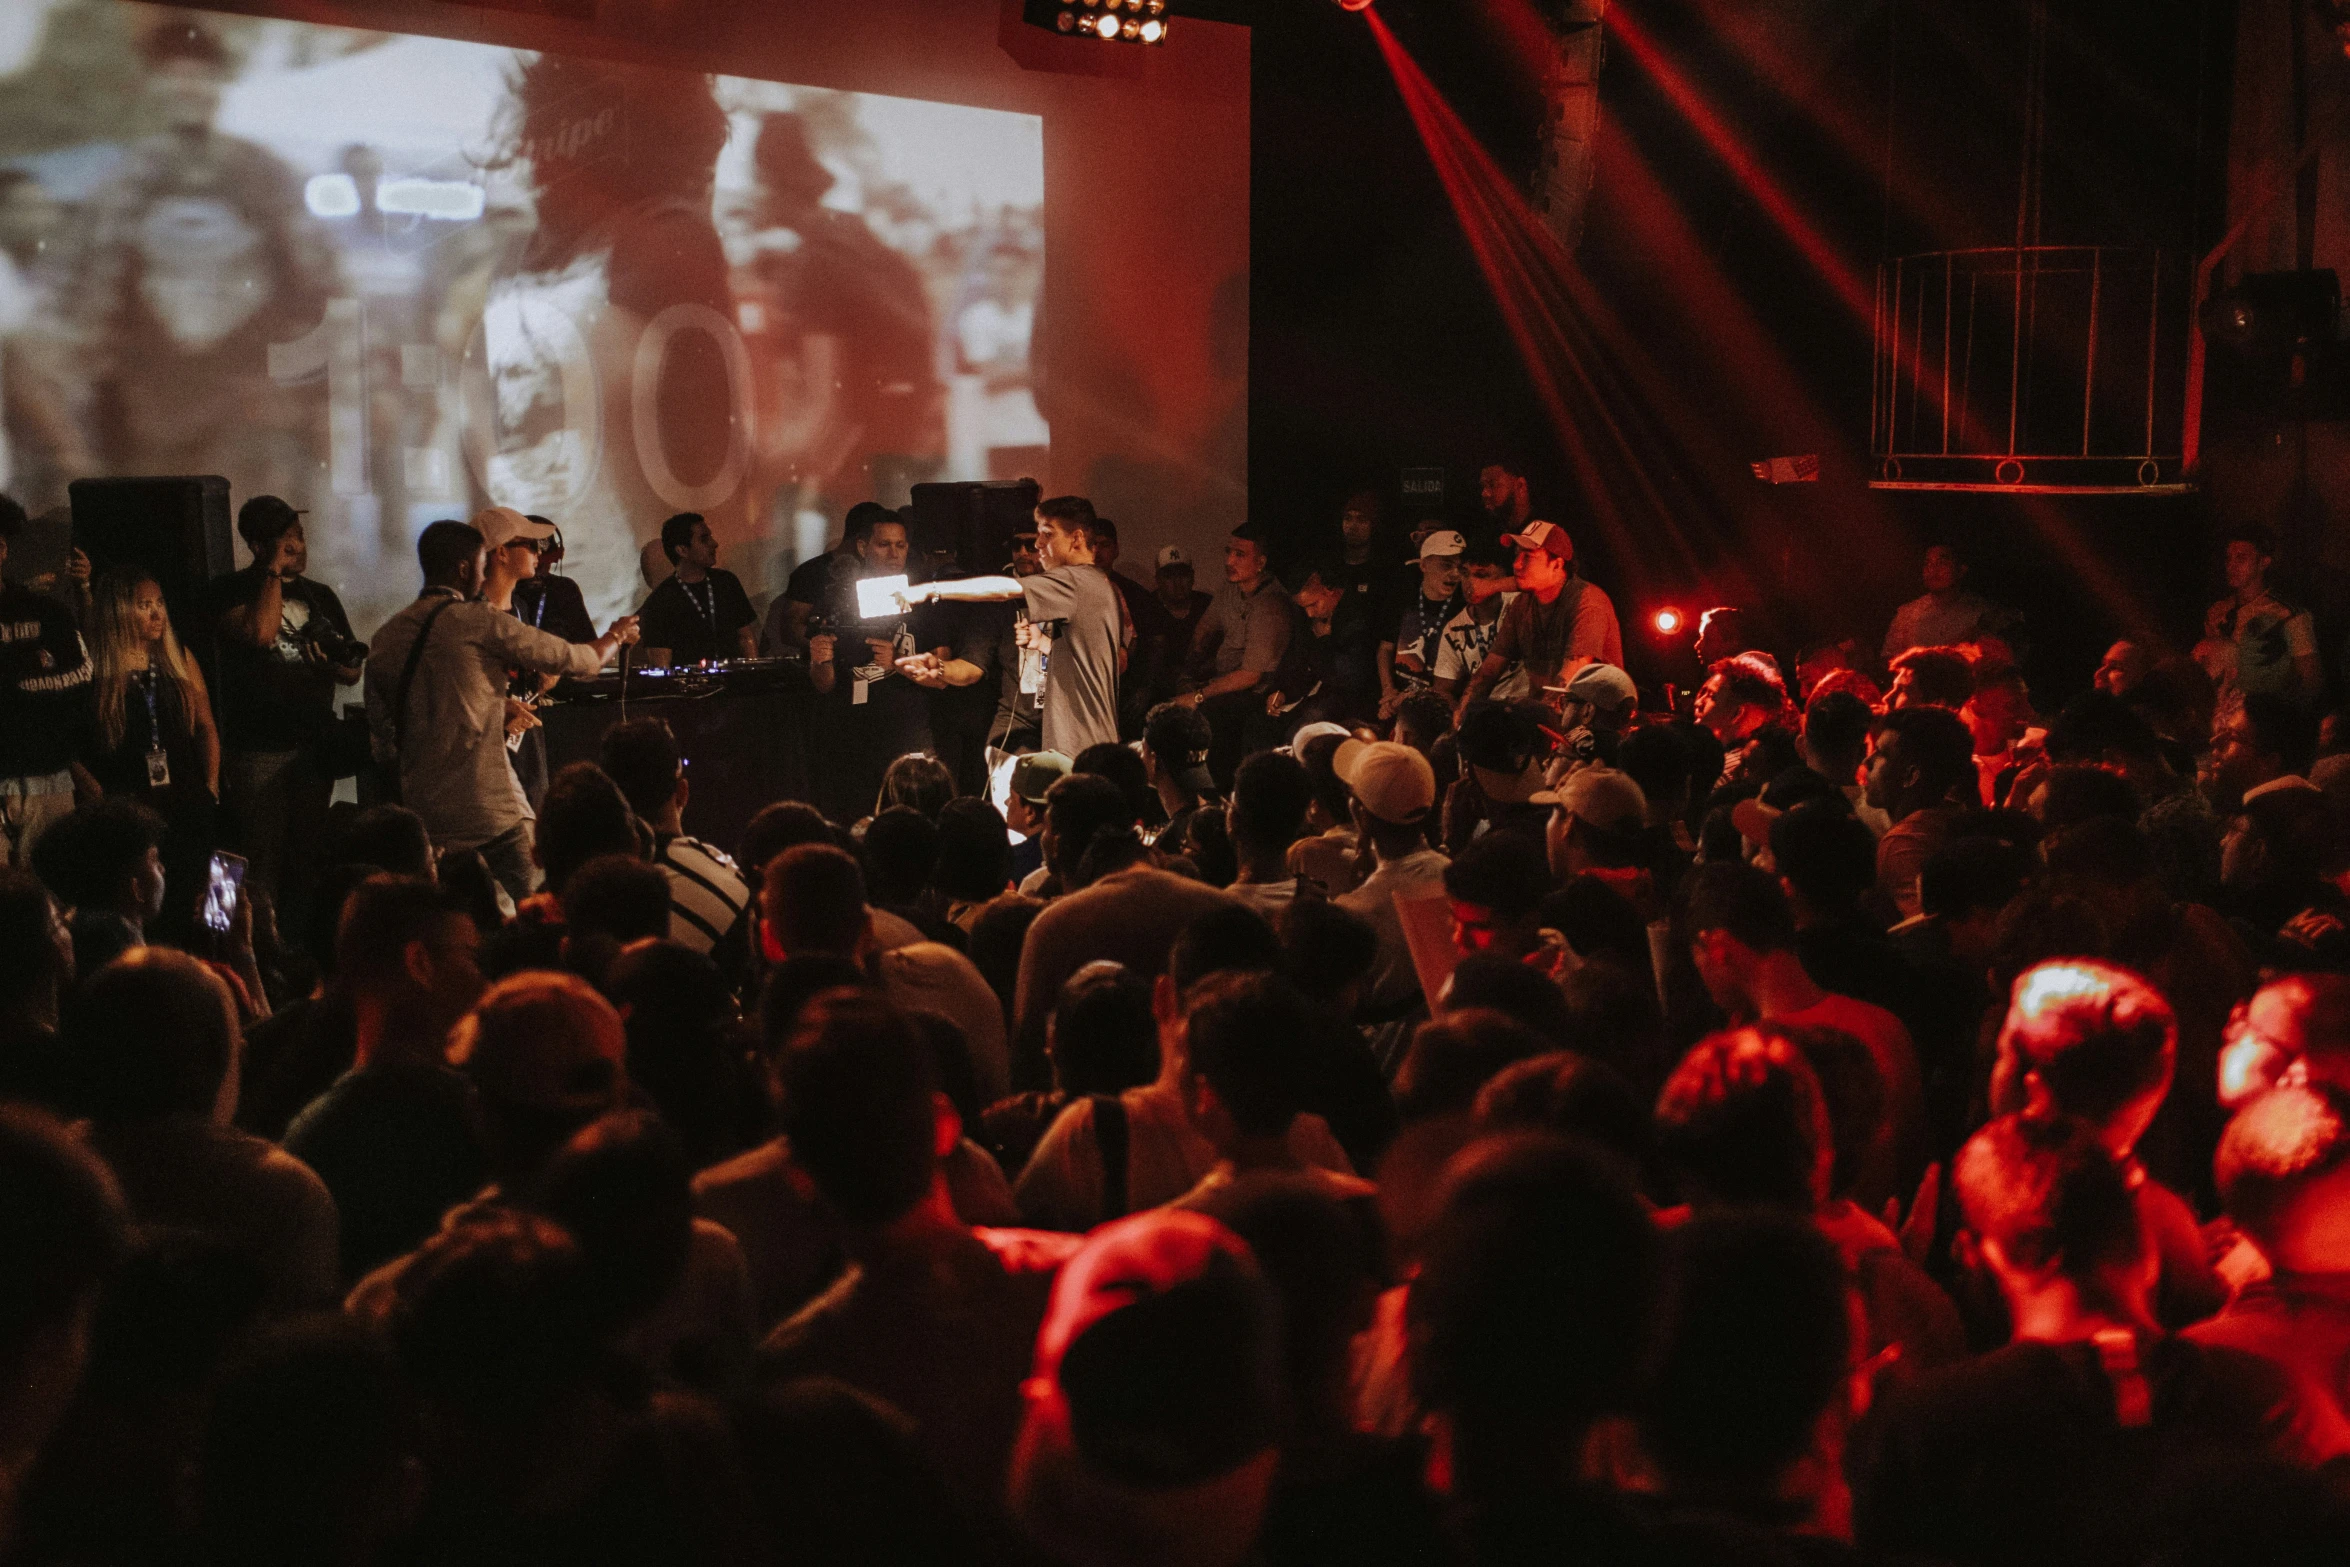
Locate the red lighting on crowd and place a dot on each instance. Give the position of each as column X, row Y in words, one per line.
column 1669, row 621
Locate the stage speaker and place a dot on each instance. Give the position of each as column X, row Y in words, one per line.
column 972, row 521
column 177, row 528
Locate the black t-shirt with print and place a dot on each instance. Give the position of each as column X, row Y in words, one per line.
column 273, row 698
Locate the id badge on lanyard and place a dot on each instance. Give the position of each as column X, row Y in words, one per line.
column 158, row 764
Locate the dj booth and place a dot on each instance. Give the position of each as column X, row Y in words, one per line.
column 742, row 727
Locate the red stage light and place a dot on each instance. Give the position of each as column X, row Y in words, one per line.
column 1354, row 5
column 1668, row 621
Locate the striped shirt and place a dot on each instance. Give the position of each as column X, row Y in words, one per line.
column 706, row 893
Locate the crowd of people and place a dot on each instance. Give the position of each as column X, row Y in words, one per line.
column 1384, row 1095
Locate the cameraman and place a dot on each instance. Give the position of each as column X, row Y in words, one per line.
column 436, row 687
column 285, row 645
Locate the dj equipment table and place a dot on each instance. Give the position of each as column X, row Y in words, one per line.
column 742, row 727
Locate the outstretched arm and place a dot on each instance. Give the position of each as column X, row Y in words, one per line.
column 967, row 590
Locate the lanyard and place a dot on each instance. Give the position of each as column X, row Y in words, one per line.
column 538, row 608
column 708, row 611
column 154, row 722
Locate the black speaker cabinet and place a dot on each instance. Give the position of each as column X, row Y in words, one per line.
column 177, row 528
column 974, row 521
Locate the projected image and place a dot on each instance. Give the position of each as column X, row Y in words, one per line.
column 395, row 278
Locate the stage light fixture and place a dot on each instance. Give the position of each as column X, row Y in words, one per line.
column 1104, row 21
column 1354, row 5
column 1668, row 622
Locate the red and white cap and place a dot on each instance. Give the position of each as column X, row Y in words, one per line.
column 1546, row 536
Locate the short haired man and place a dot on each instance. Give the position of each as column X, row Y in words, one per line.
column 103, row 862
column 1488, row 588
column 1250, row 1042
column 1742, row 695
column 812, row 903
column 46, row 712
column 2097, row 1043
column 155, row 1042
column 2284, row 1177
column 1271, row 795
column 1946, row 614
column 2253, row 642
column 1151, row 1419
column 1106, row 1156
column 1558, row 623
column 2047, row 1451
column 1392, row 798
column 1496, row 886
column 1742, row 939
column 436, row 688
column 1075, row 618
column 2295, row 1028
column 397, row 1138
column 1998, row 716
column 879, row 711
column 700, row 613
column 1505, row 494
column 809, row 587
column 2258, row 741
column 1529, row 1323
column 933, row 1316
column 1241, row 638
column 1917, row 757
column 1931, row 677
column 285, row 645
column 707, row 894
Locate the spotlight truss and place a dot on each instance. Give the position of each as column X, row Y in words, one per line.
column 1103, row 21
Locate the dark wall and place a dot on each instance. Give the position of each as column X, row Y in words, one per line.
column 1376, row 344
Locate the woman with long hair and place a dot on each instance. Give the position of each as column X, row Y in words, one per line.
column 154, row 739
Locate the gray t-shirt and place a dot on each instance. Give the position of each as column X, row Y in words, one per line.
column 1081, row 672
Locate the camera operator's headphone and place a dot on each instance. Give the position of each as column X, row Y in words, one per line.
column 550, row 550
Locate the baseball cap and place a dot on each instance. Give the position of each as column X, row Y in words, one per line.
column 1504, row 745
column 1603, row 686
column 2280, row 785
column 545, row 1042
column 1038, row 771
column 1179, row 737
column 1160, row 1353
column 1394, row 782
column 1600, row 797
column 265, row 517
column 1309, row 732
column 1754, row 818
column 1443, row 542
column 1547, row 536
column 500, row 526
column 1173, row 555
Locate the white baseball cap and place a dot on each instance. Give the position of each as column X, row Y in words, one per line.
column 1394, row 782
column 500, row 526
column 1173, row 555
column 1443, row 542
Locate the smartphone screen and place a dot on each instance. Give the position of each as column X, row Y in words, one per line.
column 224, row 883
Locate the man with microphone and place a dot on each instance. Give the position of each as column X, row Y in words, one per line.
column 1072, row 612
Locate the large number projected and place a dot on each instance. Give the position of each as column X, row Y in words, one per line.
column 396, row 278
